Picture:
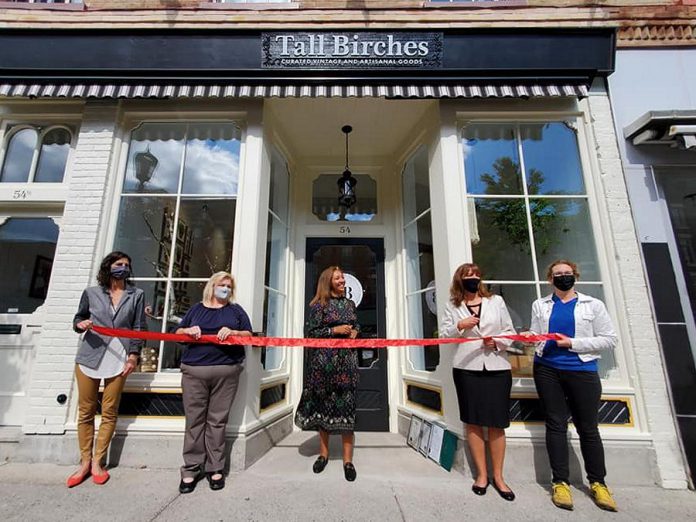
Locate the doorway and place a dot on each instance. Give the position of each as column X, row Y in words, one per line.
column 362, row 260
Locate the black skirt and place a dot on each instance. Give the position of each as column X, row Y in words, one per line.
column 484, row 396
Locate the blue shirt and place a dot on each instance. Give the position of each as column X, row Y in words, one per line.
column 562, row 321
column 210, row 320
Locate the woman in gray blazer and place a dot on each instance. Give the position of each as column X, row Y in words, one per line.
column 113, row 303
column 481, row 371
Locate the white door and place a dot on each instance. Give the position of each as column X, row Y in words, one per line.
column 27, row 249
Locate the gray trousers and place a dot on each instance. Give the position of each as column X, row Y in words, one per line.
column 208, row 394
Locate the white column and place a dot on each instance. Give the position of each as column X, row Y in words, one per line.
column 72, row 269
column 650, row 376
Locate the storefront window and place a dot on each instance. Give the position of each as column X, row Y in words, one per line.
column 176, row 220
column 276, row 248
column 325, row 199
column 420, row 272
column 27, row 249
column 35, row 154
column 528, row 207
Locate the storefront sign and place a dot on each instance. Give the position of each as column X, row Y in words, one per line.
column 359, row 50
column 354, row 290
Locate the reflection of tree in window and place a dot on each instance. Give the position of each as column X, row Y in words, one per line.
column 509, row 215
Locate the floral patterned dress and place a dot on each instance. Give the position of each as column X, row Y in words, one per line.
column 328, row 399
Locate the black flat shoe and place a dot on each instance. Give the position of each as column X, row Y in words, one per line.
column 216, row 484
column 349, row 471
column 188, row 487
column 507, row 495
column 320, row 464
column 480, row 491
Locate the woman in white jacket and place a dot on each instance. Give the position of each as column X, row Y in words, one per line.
column 481, row 371
column 566, row 378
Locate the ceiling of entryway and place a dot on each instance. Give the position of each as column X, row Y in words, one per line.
column 311, row 128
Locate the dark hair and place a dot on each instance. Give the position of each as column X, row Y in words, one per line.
column 457, row 288
column 324, row 286
column 104, row 275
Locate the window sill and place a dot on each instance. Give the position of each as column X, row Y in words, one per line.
column 483, row 4
column 45, row 7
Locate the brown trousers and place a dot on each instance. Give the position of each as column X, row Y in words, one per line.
column 208, row 394
column 88, row 391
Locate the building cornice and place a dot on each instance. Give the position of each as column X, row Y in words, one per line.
column 638, row 25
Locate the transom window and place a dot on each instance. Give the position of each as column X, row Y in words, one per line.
column 528, row 206
column 176, row 219
column 35, row 154
column 325, row 199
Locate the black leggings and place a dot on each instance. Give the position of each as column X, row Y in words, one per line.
column 579, row 392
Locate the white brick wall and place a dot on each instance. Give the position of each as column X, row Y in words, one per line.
column 651, row 377
column 72, row 270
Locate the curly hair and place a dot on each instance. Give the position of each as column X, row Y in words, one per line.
column 104, row 274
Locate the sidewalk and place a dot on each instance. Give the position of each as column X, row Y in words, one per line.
column 394, row 484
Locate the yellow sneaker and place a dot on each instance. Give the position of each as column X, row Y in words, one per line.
column 602, row 497
column 561, row 496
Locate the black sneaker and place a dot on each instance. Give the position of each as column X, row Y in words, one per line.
column 349, row 471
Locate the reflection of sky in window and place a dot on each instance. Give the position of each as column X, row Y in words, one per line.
column 334, row 216
column 52, row 163
column 18, row 230
column 165, row 178
column 479, row 157
column 18, row 157
column 555, row 156
column 212, row 167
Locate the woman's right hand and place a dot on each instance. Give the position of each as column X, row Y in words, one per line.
column 193, row 331
column 342, row 329
column 467, row 323
column 84, row 325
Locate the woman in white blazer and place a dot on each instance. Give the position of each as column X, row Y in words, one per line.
column 566, row 378
column 481, row 371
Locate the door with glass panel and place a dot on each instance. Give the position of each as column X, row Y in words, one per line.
column 27, row 250
column 362, row 261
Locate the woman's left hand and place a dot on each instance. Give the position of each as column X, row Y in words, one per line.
column 224, row 333
column 564, row 342
column 489, row 342
column 353, row 333
column 131, row 364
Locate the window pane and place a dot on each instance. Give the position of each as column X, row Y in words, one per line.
column 212, row 159
column 519, row 299
column 278, row 197
column 274, row 326
column 27, row 247
column 154, row 312
column 53, row 156
column 562, row 230
column 416, row 185
column 276, row 244
column 419, row 254
column 144, row 231
column 422, row 325
column 491, row 162
column 502, row 250
column 20, row 152
column 325, row 199
column 154, row 158
column 551, row 159
column 204, row 237
column 183, row 295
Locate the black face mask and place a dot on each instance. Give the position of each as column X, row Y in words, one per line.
column 564, row 282
column 120, row 272
column 471, row 285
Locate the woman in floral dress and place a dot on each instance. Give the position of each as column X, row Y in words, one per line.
column 328, row 399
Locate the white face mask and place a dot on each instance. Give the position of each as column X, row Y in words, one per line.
column 222, row 293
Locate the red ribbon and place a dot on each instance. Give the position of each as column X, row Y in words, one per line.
column 310, row 343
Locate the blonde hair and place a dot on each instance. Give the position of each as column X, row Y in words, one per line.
column 323, row 293
column 209, row 289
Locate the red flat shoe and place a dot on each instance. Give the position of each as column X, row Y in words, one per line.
column 101, row 479
column 76, row 480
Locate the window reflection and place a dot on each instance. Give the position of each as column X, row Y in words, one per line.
column 491, row 160
column 27, row 248
column 19, row 156
column 53, row 156
column 212, row 160
column 325, row 199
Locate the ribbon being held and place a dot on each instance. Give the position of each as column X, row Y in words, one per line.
column 311, row 342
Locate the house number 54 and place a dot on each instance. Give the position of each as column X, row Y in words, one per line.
column 344, row 229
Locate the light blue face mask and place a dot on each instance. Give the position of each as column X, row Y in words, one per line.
column 222, row 293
